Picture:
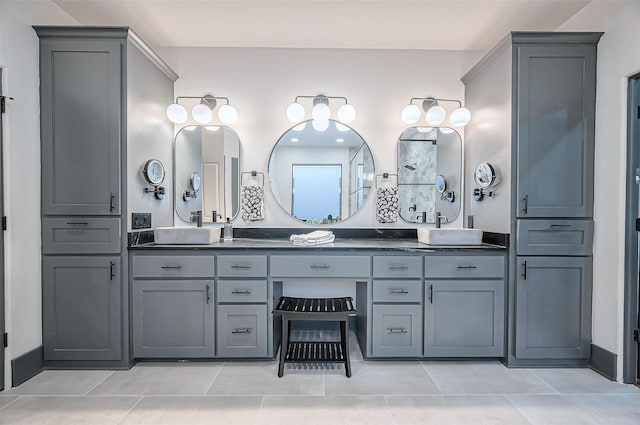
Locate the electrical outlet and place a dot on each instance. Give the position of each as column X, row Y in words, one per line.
column 141, row 220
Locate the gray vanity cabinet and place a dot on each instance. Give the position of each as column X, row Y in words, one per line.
column 81, row 84
column 555, row 96
column 81, row 312
column 553, row 307
column 173, row 318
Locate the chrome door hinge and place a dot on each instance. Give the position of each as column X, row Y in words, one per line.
column 5, row 340
column 3, row 103
column 4, row 222
column 636, row 335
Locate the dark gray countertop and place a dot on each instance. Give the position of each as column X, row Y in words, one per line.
column 342, row 244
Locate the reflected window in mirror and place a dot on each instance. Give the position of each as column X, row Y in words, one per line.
column 212, row 153
column 426, row 155
column 321, row 177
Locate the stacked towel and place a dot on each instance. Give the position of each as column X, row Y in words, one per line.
column 387, row 205
column 317, row 237
column 252, row 198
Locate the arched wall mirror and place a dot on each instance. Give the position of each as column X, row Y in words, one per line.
column 429, row 173
column 207, row 172
column 321, row 177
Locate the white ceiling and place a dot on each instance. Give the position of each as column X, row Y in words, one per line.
column 369, row 24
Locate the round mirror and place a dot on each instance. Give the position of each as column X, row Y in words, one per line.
column 154, row 172
column 207, row 172
column 323, row 176
column 485, row 175
column 429, row 173
column 441, row 183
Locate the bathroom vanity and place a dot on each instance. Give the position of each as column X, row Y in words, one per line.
column 412, row 300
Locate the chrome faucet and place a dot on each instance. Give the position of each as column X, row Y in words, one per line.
column 439, row 219
column 422, row 217
column 197, row 217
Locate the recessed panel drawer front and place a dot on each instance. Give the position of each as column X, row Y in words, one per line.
column 242, row 265
column 320, row 266
column 184, row 266
column 555, row 237
column 242, row 330
column 397, row 266
column 402, row 291
column 242, row 291
column 397, row 330
column 81, row 235
column 464, row 266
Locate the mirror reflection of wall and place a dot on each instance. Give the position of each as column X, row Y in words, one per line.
column 422, row 155
column 214, row 153
column 320, row 176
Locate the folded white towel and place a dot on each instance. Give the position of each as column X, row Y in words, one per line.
column 313, row 242
column 313, row 236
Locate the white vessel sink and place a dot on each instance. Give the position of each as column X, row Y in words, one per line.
column 186, row 235
column 450, row 236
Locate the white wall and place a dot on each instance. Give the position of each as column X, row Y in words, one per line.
column 19, row 59
column 618, row 59
column 260, row 83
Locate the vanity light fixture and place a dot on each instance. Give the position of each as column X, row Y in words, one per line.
column 321, row 112
column 202, row 113
column 339, row 140
column 435, row 114
column 294, row 139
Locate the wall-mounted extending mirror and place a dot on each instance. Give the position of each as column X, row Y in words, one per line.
column 207, row 172
column 429, row 167
column 321, row 176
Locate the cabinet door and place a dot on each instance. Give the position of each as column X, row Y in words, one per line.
column 397, row 330
column 81, row 94
column 555, row 130
column 173, row 318
column 242, row 330
column 464, row 319
column 81, row 308
column 553, row 307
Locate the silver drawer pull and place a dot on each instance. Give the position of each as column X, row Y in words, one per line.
column 77, row 223
column 171, row 267
column 242, row 331
column 398, row 267
column 559, row 226
column 320, row 267
column 396, row 330
column 241, row 292
column 241, row 267
column 467, row 267
column 398, row 291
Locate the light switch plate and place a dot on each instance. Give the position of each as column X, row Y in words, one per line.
column 141, row 220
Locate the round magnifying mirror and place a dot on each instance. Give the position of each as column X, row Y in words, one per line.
column 485, row 175
column 194, row 181
column 154, row 172
column 441, row 183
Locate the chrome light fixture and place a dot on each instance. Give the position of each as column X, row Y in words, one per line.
column 202, row 112
column 434, row 113
column 321, row 111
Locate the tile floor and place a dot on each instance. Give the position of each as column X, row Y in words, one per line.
column 379, row 392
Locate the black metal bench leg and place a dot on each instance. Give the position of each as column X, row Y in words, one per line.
column 344, row 340
column 284, row 345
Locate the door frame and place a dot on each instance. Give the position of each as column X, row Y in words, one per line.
column 2, row 298
column 631, row 263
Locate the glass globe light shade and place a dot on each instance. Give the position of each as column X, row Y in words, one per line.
column 342, row 127
column 295, row 112
column 190, row 127
column 446, row 130
column 201, row 114
column 410, row 114
column 460, row 117
column 320, row 125
column 300, row 127
column 321, row 112
column 177, row 113
column 228, row 114
column 436, row 115
column 424, row 129
column 346, row 113
column 212, row 127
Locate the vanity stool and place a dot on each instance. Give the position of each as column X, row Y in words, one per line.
column 325, row 309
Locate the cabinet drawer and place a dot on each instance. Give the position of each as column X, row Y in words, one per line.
column 189, row 266
column 397, row 266
column 242, row 265
column 320, row 266
column 397, row 330
column 397, row 290
column 464, row 266
column 81, row 235
column 242, row 330
column 234, row 291
column 555, row 237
